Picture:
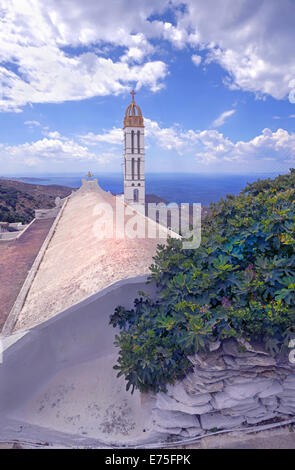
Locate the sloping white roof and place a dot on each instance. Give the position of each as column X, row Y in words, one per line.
column 79, row 262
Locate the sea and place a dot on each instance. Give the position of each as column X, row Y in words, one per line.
column 173, row 187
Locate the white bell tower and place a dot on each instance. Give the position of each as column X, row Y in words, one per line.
column 134, row 156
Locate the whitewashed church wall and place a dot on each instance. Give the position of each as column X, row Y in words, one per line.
column 32, row 357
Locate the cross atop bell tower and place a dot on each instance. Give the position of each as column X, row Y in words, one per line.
column 134, row 155
column 132, row 93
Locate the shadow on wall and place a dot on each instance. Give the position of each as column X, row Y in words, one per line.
column 82, row 332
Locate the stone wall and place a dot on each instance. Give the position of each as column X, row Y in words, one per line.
column 50, row 213
column 232, row 386
column 10, row 231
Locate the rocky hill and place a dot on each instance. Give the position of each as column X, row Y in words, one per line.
column 19, row 200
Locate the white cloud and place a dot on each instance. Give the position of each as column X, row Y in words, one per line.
column 114, row 136
column 163, row 29
column 53, row 134
column 223, row 117
column 58, row 149
column 169, row 138
column 54, row 77
column 134, row 54
column 32, row 162
column 291, row 116
column 107, row 157
column 253, row 41
column 32, row 123
column 278, row 146
column 209, row 146
column 38, row 69
column 197, row 59
column 55, row 149
column 206, row 147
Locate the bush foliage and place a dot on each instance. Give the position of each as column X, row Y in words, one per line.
column 240, row 283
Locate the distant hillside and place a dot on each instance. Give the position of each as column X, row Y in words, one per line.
column 152, row 198
column 19, row 200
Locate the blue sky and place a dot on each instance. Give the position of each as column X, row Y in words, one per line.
column 215, row 80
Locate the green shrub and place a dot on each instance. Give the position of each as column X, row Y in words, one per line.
column 240, row 283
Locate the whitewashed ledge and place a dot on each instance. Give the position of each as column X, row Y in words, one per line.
column 227, row 389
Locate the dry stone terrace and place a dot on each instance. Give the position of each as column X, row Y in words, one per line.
column 16, row 259
column 227, row 389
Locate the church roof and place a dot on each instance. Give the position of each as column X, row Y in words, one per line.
column 133, row 116
column 77, row 263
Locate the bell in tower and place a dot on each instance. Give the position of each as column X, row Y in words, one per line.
column 134, row 156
